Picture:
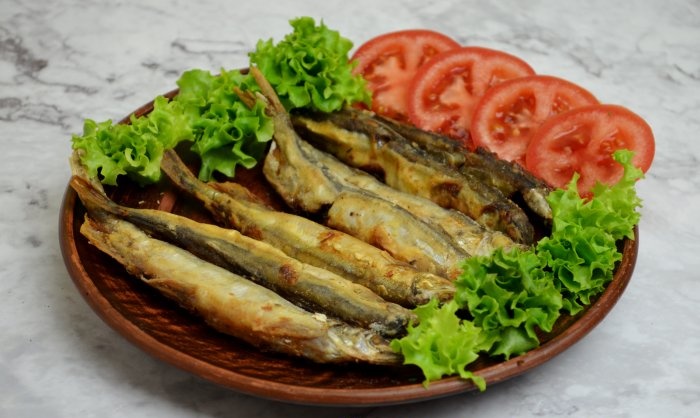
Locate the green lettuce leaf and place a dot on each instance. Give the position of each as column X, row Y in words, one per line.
column 509, row 296
column 310, row 68
column 442, row 344
column 134, row 149
column 225, row 131
column 581, row 250
column 617, row 205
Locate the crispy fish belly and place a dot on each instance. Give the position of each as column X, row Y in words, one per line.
column 386, row 225
column 403, row 235
column 231, row 303
column 508, row 177
column 466, row 233
column 310, row 242
column 366, row 143
column 307, row 286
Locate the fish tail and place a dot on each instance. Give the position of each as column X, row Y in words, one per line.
column 272, row 102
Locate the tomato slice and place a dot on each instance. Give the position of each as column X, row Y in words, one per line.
column 389, row 62
column 446, row 89
column 583, row 140
column 507, row 116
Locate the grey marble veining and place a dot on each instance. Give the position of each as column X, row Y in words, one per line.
column 64, row 61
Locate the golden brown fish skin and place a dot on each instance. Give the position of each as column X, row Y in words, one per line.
column 303, row 284
column 508, row 177
column 385, row 225
column 419, row 175
column 467, row 234
column 365, row 142
column 298, row 179
column 290, row 154
column 311, row 242
column 231, row 303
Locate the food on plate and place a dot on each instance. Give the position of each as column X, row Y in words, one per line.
column 508, row 115
column 512, row 296
column 311, row 242
column 225, row 133
column 390, row 61
column 420, row 198
column 310, row 287
column 446, row 90
column 465, row 232
column 305, row 184
column 232, row 304
column 493, row 100
column 510, row 179
column 443, row 344
column 583, row 140
column 134, row 149
column 365, row 142
column 386, row 225
column 309, row 68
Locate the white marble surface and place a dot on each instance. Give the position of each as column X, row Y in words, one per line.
column 65, row 60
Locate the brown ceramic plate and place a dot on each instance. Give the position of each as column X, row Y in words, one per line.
column 161, row 328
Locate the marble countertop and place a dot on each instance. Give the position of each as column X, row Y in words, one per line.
column 66, row 60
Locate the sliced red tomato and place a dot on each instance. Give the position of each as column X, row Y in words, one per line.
column 389, row 62
column 583, row 140
column 447, row 88
column 507, row 116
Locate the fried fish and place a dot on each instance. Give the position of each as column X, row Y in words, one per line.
column 305, row 285
column 363, row 141
column 305, row 183
column 231, row 303
column 508, row 177
column 311, row 242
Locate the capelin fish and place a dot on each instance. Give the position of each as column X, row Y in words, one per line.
column 466, row 233
column 508, row 177
column 364, row 142
column 307, row 286
column 386, row 225
column 311, row 242
column 231, row 303
column 288, row 162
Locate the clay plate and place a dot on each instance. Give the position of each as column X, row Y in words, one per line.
column 163, row 329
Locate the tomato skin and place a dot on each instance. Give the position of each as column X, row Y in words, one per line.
column 447, row 88
column 509, row 113
column 582, row 140
column 388, row 62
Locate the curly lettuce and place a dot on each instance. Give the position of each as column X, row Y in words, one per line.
column 310, row 68
column 509, row 295
column 226, row 133
column 581, row 251
column 134, row 149
column 503, row 300
column 442, row 344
